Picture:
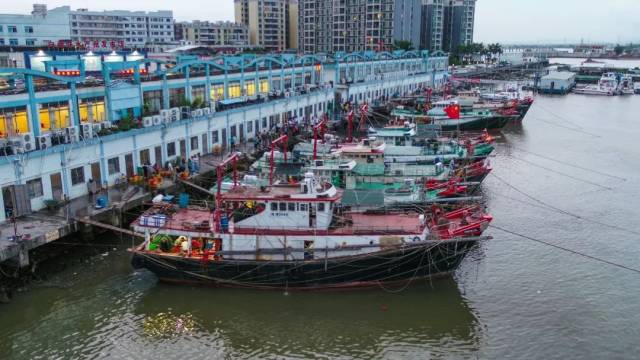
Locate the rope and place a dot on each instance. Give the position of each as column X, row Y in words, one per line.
column 565, row 163
column 561, row 211
column 574, row 252
column 561, row 173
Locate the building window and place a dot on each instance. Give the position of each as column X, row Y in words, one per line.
column 13, row 42
column 12, row 29
column 77, row 175
column 194, row 143
column 214, row 137
column 171, row 149
column 320, row 207
column 30, row 42
column 34, row 188
column 113, row 165
column 28, row 29
column 0, row 28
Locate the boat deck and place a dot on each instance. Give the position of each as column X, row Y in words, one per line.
column 200, row 221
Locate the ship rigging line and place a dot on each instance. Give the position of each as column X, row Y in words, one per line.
column 558, row 210
column 564, row 163
column 560, row 173
column 574, row 252
column 568, row 128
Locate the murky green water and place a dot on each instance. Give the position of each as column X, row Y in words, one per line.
column 512, row 298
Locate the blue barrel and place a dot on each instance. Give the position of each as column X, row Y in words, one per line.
column 101, row 202
column 183, row 201
column 224, row 223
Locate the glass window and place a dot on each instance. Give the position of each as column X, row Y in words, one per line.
column 194, row 143
column 320, row 207
column 171, row 149
column 34, row 188
column 214, row 137
column 13, row 42
column 12, row 29
column 28, row 29
column 292, row 206
column 113, row 165
column 77, row 175
column 283, row 206
column 303, row 207
column 274, row 206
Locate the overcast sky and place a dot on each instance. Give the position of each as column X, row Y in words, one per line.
column 506, row 21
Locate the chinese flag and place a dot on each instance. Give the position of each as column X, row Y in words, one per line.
column 453, row 111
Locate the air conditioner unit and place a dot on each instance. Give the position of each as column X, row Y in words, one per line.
column 206, row 111
column 193, row 114
column 199, row 113
column 29, row 141
column 44, row 141
column 86, row 130
column 71, row 133
column 147, row 121
column 157, row 120
column 175, row 114
column 96, row 128
column 165, row 113
column 185, row 111
column 106, row 124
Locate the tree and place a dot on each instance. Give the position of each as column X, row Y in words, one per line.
column 495, row 50
column 619, row 49
column 405, row 45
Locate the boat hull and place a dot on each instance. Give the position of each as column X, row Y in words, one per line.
column 479, row 124
column 398, row 265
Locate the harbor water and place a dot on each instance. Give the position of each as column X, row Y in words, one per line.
column 566, row 186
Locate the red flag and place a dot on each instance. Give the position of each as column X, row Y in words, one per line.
column 453, row 111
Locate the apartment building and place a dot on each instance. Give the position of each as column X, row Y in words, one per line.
column 221, row 33
column 39, row 28
column 446, row 24
column 272, row 24
column 358, row 25
column 131, row 29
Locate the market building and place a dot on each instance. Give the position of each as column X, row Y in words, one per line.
column 61, row 120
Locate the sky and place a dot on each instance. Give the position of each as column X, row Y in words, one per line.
column 504, row 21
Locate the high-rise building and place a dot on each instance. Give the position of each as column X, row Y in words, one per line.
column 39, row 28
column 94, row 29
column 446, row 24
column 221, row 33
column 131, row 29
column 272, row 24
column 357, row 25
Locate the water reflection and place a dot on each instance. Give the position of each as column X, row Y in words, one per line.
column 361, row 324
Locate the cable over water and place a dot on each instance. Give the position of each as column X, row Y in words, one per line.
column 561, row 211
column 587, row 256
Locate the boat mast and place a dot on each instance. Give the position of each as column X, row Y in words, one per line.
column 318, row 127
column 364, row 110
column 220, row 172
column 350, row 116
column 281, row 140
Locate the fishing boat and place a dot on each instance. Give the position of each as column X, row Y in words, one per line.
column 448, row 116
column 299, row 237
column 607, row 85
column 626, row 86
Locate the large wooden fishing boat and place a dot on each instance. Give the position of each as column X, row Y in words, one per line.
column 299, row 236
